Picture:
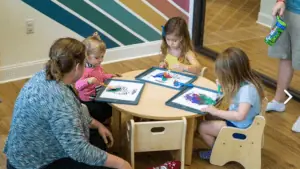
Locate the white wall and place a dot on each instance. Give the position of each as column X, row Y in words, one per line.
column 19, row 51
column 22, row 55
column 265, row 14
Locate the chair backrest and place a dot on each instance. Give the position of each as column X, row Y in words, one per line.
column 158, row 135
column 263, row 106
column 257, row 126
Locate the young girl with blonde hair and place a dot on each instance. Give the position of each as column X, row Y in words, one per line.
column 93, row 77
column 177, row 50
column 241, row 88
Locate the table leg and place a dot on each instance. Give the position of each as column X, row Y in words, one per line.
column 125, row 118
column 116, row 128
column 189, row 140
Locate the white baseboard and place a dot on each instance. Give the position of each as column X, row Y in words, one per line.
column 265, row 19
column 27, row 69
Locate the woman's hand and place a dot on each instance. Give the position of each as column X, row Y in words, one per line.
column 105, row 133
column 211, row 110
column 279, row 8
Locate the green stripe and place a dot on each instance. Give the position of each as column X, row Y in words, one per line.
column 128, row 19
column 103, row 22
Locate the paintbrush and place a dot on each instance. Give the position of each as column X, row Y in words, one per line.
column 110, row 88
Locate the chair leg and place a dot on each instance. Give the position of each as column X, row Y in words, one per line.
column 255, row 162
column 262, row 141
column 217, row 156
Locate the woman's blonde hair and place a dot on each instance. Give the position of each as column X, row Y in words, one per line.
column 232, row 69
column 64, row 54
column 94, row 45
column 177, row 26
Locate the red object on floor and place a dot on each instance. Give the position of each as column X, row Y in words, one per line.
column 168, row 165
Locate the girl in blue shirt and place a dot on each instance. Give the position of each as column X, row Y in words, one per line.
column 241, row 89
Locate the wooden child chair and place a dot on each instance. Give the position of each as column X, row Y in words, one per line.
column 230, row 146
column 203, row 70
column 156, row 136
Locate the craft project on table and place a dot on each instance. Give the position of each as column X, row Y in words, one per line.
column 120, row 91
column 167, row 78
column 195, row 98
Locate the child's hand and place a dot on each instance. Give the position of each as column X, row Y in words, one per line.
column 163, row 65
column 210, row 109
column 179, row 67
column 117, row 75
column 92, row 80
column 217, row 82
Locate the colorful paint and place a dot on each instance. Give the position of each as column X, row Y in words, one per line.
column 199, row 99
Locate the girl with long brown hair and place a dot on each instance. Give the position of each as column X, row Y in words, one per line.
column 177, row 49
column 241, row 88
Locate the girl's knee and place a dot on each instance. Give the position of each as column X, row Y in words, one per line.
column 211, row 127
column 202, row 127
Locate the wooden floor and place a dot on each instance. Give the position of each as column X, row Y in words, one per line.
column 281, row 151
column 233, row 23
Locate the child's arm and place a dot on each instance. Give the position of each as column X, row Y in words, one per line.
column 85, row 81
column 105, row 75
column 195, row 66
column 247, row 98
column 238, row 115
column 108, row 76
column 82, row 83
column 162, row 62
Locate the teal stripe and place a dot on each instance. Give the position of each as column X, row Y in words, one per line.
column 103, row 22
column 128, row 19
column 55, row 12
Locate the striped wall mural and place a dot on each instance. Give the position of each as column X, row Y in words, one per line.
column 119, row 22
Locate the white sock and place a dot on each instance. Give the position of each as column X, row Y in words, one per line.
column 275, row 106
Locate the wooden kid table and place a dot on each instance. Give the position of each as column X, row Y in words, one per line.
column 152, row 106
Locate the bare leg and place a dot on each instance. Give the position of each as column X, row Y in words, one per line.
column 209, row 130
column 285, row 76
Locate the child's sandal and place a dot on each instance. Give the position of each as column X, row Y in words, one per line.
column 168, row 165
column 205, row 155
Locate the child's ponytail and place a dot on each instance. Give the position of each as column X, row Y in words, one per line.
column 97, row 36
column 94, row 44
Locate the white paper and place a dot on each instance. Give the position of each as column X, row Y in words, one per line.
column 169, row 81
column 129, row 91
column 183, row 101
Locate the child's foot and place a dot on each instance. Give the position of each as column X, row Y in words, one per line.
column 168, row 165
column 205, row 155
column 275, row 106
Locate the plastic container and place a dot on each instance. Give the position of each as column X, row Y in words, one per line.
column 276, row 31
